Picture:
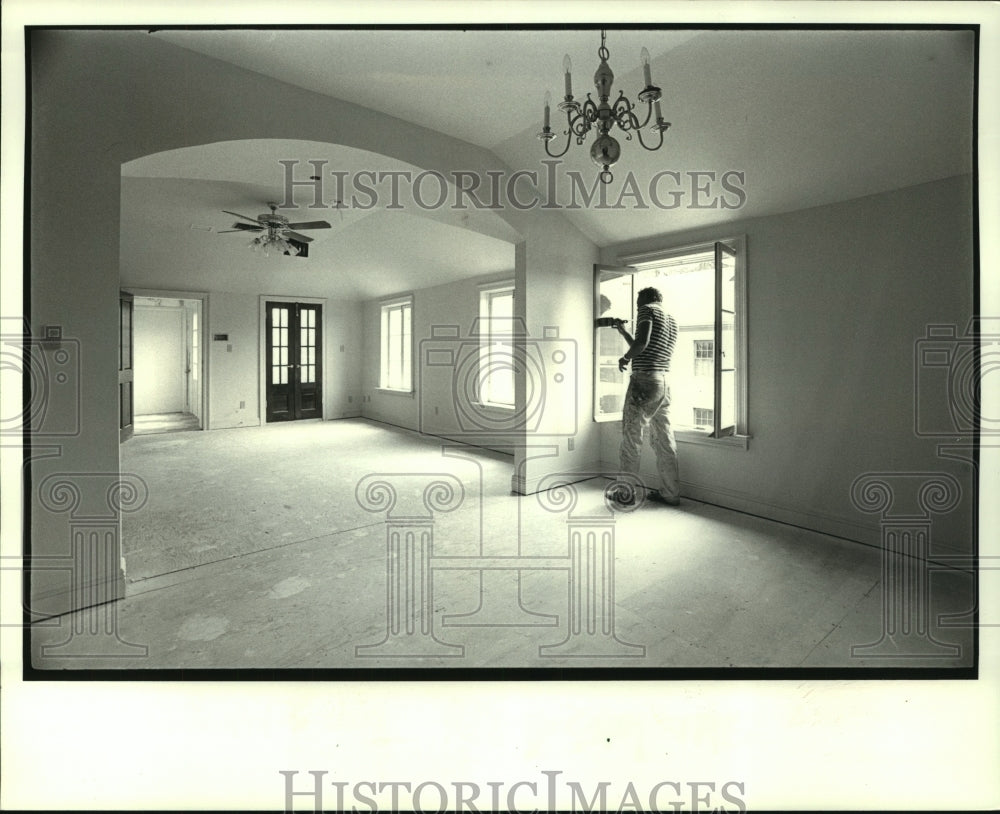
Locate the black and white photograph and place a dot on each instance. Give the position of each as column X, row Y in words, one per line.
column 581, row 393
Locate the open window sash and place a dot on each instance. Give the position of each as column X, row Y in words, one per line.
column 614, row 296
column 724, row 368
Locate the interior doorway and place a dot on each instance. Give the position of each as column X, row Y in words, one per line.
column 167, row 358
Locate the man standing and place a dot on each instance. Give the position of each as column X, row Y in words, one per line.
column 647, row 401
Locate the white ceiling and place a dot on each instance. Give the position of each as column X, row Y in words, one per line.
column 809, row 117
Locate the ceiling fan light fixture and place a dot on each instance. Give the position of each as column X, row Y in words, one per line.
column 276, row 231
column 273, row 238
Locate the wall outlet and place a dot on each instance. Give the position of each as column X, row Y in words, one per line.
column 243, row 405
column 350, row 399
column 570, row 444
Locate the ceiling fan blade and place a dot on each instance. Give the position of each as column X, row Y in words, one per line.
column 298, row 237
column 312, row 224
column 246, row 227
column 227, row 231
column 252, row 220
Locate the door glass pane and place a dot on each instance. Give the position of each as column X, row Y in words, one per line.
column 125, row 337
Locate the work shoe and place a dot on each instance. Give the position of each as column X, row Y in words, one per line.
column 655, row 497
column 621, row 495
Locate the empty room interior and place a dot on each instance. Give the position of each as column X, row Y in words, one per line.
column 325, row 374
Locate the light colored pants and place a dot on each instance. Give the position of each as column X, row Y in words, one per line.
column 647, row 404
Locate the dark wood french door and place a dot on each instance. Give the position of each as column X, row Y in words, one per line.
column 294, row 361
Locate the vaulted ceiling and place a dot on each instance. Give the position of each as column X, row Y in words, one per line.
column 807, row 117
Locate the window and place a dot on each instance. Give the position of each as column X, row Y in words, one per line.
column 703, row 287
column 703, row 419
column 397, row 346
column 704, row 357
column 496, row 368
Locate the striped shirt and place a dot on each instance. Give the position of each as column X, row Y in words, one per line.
column 662, row 337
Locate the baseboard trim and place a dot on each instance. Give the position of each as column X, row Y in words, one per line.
column 499, row 449
column 60, row 601
column 521, row 485
column 867, row 533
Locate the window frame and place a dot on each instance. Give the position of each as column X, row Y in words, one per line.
column 635, row 263
column 402, row 303
column 487, row 293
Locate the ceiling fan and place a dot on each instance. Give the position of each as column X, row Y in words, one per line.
column 276, row 231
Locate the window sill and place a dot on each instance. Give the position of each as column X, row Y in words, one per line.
column 392, row 392
column 498, row 408
column 693, row 436
column 703, row 440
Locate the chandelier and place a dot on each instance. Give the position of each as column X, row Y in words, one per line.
column 581, row 119
column 274, row 237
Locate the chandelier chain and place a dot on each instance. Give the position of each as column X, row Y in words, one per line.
column 603, row 51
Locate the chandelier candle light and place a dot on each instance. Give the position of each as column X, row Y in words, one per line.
column 605, row 150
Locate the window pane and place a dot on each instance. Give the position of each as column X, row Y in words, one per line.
column 687, row 285
column 500, row 375
column 728, row 282
column 728, row 341
column 395, row 347
column 384, row 350
column 395, row 322
column 615, row 300
column 728, row 383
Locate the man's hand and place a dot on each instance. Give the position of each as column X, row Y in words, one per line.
column 622, row 364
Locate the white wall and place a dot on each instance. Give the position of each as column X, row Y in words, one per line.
column 233, row 374
column 838, row 297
